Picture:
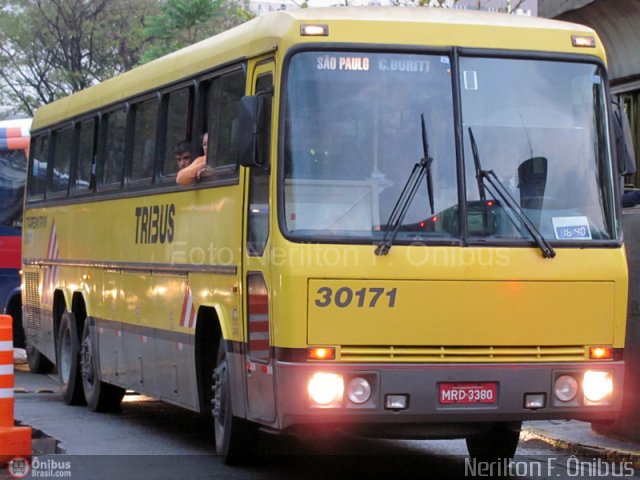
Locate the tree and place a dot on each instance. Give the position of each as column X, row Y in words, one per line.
column 183, row 22
column 51, row 48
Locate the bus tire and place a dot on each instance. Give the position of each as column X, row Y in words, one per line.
column 499, row 443
column 100, row 396
column 68, row 352
column 37, row 362
column 234, row 436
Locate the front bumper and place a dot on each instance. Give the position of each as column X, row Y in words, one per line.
column 426, row 416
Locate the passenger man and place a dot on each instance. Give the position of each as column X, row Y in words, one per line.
column 198, row 169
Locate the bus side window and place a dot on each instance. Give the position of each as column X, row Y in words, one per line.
column 113, row 148
column 38, row 167
column 178, row 126
column 225, row 93
column 58, row 179
column 86, row 146
column 258, row 212
column 144, row 140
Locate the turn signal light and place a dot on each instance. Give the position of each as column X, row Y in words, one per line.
column 321, row 353
column 601, row 353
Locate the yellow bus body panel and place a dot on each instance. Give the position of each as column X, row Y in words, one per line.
column 126, row 277
column 436, row 312
column 452, row 296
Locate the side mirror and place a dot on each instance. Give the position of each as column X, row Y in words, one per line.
column 624, row 143
column 251, row 126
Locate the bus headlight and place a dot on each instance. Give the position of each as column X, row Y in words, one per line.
column 565, row 388
column 359, row 390
column 325, row 389
column 597, row 385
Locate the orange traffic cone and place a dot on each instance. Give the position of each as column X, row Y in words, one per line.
column 14, row 441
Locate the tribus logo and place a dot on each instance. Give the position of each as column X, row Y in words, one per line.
column 19, row 467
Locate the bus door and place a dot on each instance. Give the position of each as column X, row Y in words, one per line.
column 259, row 361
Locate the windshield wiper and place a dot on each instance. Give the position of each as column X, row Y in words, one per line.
column 420, row 169
column 499, row 190
column 481, row 188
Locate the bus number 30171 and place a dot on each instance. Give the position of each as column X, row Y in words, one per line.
column 364, row 297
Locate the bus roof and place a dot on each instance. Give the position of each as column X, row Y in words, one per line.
column 356, row 25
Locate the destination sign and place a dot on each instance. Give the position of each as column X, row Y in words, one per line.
column 365, row 63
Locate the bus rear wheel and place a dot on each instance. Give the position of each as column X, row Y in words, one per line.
column 68, row 347
column 234, row 436
column 497, row 444
column 100, row 396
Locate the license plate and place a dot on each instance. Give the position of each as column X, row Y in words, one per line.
column 465, row 393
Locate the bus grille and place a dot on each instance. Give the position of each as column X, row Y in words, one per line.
column 32, row 305
column 463, row 354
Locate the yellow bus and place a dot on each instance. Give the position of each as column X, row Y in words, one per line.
column 408, row 226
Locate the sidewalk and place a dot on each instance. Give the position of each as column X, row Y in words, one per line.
column 577, row 438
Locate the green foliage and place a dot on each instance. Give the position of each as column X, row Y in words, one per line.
column 184, row 22
column 51, row 48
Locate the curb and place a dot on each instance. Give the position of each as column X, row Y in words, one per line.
column 583, row 449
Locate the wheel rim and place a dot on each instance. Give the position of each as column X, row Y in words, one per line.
column 65, row 356
column 220, row 379
column 86, row 363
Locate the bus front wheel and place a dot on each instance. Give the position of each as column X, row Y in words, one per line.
column 69, row 361
column 100, row 396
column 233, row 435
column 497, row 444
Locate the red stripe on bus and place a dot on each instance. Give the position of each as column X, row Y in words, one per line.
column 185, row 307
column 10, row 252
column 258, row 345
column 258, row 305
column 261, row 326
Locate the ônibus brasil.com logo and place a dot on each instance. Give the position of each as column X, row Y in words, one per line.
column 39, row 468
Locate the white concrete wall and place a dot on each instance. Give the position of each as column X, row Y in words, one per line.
column 553, row 8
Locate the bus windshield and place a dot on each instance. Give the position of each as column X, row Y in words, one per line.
column 353, row 134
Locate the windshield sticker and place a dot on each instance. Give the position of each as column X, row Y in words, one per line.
column 571, row 228
column 470, row 80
